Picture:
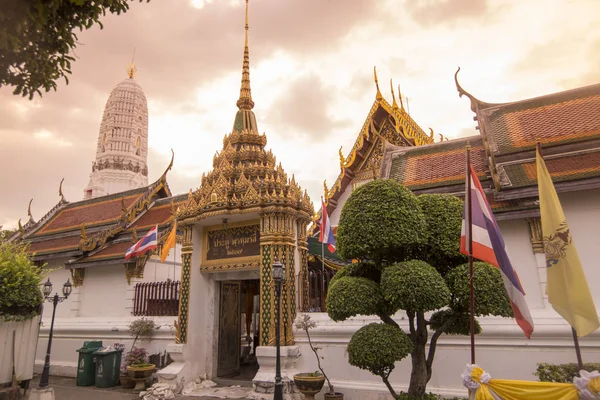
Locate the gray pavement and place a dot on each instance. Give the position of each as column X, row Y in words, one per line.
column 65, row 389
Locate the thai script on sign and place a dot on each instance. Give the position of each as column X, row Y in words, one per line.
column 242, row 241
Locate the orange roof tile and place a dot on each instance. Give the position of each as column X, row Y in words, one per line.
column 55, row 245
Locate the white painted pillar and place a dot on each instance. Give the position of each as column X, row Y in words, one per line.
column 130, row 295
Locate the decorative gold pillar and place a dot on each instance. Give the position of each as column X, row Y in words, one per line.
column 77, row 274
column 277, row 242
column 303, row 254
column 181, row 325
column 535, row 234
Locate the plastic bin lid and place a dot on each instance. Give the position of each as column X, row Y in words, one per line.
column 93, row 344
column 85, row 351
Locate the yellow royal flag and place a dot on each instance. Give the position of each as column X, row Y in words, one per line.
column 567, row 289
column 169, row 243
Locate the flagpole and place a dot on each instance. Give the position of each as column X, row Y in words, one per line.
column 573, row 331
column 468, row 199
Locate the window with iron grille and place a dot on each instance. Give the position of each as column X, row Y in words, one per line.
column 156, row 298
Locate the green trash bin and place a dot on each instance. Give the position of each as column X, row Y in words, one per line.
column 108, row 367
column 86, row 367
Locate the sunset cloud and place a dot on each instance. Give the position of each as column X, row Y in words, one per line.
column 312, row 80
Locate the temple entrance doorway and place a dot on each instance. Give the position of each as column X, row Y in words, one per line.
column 238, row 329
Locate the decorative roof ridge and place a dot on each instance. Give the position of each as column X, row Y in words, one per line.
column 475, row 139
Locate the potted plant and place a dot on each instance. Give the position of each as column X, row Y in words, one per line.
column 142, row 328
column 311, row 383
column 20, row 305
column 138, row 367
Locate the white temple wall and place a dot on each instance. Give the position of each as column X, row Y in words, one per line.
column 103, row 313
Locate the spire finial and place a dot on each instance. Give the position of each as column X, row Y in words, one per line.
column 131, row 68
column 245, row 101
column 378, row 96
column 394, row 103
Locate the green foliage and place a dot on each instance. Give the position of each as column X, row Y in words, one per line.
column 37, row 38
column 459, row 326
column 563, row 373
column 364, row 269
column 377, row 347
column 443, row 215
column 20, row 294
column 349, row 296
column 142, row 328
column 5, row 234
column 380, row 220
column 414, row 286
column 490, row 294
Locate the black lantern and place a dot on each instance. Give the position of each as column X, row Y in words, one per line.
column 278, row 274
column 47, row 290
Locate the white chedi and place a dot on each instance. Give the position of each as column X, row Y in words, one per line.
column 122, row 148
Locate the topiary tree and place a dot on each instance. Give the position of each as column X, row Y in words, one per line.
column 20, row 294
column 408, row 255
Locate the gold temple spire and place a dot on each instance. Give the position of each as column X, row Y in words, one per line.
column 378, row 96
column 131, row 68
column 245, row 101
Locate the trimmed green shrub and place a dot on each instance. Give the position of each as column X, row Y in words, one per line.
column 377, row 347
column 490, row 294
column 20, row 294
column 443, row 215
column 350, row 296
column 460, row 326
column 363, row 269
column 414, row 286
column 563, row 373
column 380, row 220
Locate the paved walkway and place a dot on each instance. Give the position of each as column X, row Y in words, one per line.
column 65, row 389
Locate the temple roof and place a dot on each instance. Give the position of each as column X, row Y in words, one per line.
column 503, row 155
column 565, row 123
column 78, row 228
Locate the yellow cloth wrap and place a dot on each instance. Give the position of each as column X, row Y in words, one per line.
column 594, row 385
column 507, row 389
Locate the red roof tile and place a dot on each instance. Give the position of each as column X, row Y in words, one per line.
column 55, row 245
column 95, row 213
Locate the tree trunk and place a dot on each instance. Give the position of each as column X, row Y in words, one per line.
column 419, row 376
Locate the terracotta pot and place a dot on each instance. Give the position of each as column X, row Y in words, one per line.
column 127, row 382
column 309, row 384
column 336, row 396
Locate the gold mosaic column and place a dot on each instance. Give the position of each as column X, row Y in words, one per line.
column 181, row 325
column 303, row 254
column 277, row 242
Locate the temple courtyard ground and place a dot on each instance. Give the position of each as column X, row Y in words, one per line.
column 65, row 389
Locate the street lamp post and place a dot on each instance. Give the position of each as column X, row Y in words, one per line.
column 47, row 290
column 278, row 278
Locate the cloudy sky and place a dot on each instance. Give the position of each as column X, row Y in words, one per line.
column 312, row 80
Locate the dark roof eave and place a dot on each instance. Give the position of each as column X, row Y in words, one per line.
column 561, row 187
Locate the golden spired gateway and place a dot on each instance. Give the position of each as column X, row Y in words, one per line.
column 248, row 188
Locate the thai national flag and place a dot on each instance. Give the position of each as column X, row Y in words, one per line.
column 326, row 233
column 148, row 242
column 487, row 245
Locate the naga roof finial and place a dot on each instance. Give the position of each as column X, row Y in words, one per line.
column 342, row 158
column 21, row 230
column 29, row 212
column 394, row 103
column 461, row 92
column 378, row 96
column 60, row 192
column 245, row 101
column 400, row 98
